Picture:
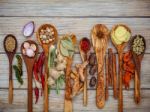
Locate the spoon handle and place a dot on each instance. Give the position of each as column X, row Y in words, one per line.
column 100, row 90
column 30, row 93
column 120, row 104
column 137, row 96
column 68, row 92
column 46, row 101
column 10, row 83
column 85, row 97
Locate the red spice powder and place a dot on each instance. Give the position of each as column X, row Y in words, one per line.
column 85, row 45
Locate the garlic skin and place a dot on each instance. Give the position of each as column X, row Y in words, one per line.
column 30, row 53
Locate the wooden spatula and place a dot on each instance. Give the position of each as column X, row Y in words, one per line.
column 10, row 53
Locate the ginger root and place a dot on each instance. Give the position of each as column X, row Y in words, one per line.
column 80, row 69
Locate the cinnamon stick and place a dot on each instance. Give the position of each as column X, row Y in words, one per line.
column 110, row 67
column 115, row 92
column 106, row 78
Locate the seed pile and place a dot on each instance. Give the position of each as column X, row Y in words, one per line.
column 10, row 44
column 138, row 45
column 47, row 35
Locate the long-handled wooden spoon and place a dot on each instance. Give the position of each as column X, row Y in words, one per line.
column 68, row 52
column 84, row 48
column 137, row 60
column 29, row 51
column 120, row 48
column 46, row 45
column 10, row 46
column 100, row 36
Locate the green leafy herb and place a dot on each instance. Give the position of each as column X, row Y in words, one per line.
column 59, row 82
column 18, row 69
column 17, row 73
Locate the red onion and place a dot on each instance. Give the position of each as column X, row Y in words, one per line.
column 28, row 29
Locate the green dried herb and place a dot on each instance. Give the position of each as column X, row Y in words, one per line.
column 18, row 69
column 59, row 82
column 17, row 73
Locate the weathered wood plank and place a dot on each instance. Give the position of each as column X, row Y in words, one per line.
column 14, row 25
column 74, row 8
column 145, row 77
column 56, row 102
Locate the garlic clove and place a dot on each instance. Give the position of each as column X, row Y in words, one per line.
column 30, row 53
column 28, row 29
column 26, row 45
column 33, row 47
column 24, row 51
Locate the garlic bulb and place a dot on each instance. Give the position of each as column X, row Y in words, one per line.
column 26, row 45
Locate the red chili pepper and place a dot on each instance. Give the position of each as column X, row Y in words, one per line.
column 40, row 62
column 36, row 92
column 35, row 71
column 42, row 81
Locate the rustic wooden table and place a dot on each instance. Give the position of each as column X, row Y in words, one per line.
column 76, row 16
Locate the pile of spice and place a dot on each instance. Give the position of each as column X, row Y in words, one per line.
column 10, row 44
column 47, row 35
column 138, row 45
column 92, row 70
column 129, row 69
column 120, row 34
column 29, row 49
column 85, row 45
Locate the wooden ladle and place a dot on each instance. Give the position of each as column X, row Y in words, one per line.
column 137, row 60
column 100, row 36
column 29, row 62
column 10, row 53
column 46, row 47
column 120, row 48
column 84, row 57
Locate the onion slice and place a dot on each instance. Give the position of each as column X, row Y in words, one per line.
column 28, row 29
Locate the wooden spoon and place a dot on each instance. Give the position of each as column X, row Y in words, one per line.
column 68, row 88
column 137, row 60
column 120, row 49
column 10, row 55
column 46, row 51
column 100, row 36
column 84, row 58
column 29, row 62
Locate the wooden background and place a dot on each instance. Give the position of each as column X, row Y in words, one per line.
column 77, row 16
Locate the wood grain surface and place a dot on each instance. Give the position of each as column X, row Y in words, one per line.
column 76, row 16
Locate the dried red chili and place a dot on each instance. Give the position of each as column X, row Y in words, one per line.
column 40, row 62
column 36, row 92
column 35, row 71
column 85, row 45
